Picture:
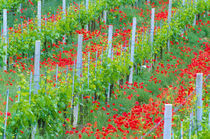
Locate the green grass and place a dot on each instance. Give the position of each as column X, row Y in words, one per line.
column 143, row 77
column 102, row 118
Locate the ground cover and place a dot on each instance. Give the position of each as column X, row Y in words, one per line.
column 56, row 84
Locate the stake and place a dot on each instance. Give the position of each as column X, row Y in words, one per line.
column 195, row 3
column 96, row 62
column 30, row 87
column 199, row 83
column 87, row 7
column 169, row 21
column 181, row 130
column 79, row 71
column 209, row 120
column 104, row 16
column 37, row 66
column 56, row 75
column 5, row 37
column 102, row 57
column 39, row 15
column 167, row 121
column 64, row 17
column 64, row 9
column 88, row 69
column 132, row 49
column 110, row 33
column 152, row 28
column 5, row 124
column 73, row 85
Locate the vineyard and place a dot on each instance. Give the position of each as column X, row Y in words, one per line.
column 127, row 69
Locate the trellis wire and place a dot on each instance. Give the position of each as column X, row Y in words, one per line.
column 191, row 117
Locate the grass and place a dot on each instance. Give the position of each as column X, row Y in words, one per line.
column 102, row 118
column 143, row 77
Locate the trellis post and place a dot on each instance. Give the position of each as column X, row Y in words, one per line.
column 37, row 66
column 169, row 21
column 5, row 124
column 39, row 15
column 79, row 72
column 132, row 49
column 5, row 38
column 87, row 7
column 195, row 4
column 199, row 84
column 167, row 121
column 110, row 33
column 64, row 17
column 104, row 16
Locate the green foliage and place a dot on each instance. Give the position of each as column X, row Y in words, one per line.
column 44, row 106
column 9, row 4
